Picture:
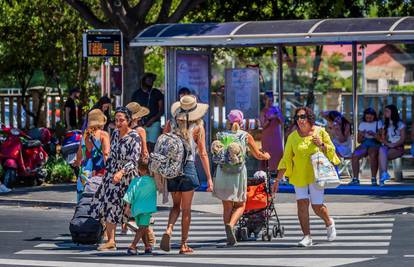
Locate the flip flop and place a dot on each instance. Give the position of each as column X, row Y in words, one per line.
column 132, row 251
column 165, row 242
column 186, row 250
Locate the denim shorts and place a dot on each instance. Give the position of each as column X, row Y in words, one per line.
column 188, row 182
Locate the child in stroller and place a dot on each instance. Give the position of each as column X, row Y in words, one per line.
column 260, row 212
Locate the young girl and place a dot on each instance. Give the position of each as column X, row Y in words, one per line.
column 368, row 131
column 392, row 138
column 141, row 199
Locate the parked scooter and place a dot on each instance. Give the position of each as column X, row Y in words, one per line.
column 22, row 158
column 45, row 136
column 70, row 145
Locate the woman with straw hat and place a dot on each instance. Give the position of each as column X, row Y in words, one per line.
column 187, row 123
column 138, row 112
column 93, row 151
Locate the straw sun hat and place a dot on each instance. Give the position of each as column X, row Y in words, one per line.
column 188, row 109
column 137, row 110
column 96, row 118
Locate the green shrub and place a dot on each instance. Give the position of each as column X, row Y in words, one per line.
column 58, row 171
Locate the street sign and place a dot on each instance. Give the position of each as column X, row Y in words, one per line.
column 102, row 43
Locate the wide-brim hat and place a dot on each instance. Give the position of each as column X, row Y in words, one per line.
column 96, row 118
column 188, row 108
column 137, row 110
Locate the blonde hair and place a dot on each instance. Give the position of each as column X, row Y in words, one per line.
column 182, row 129
column 90, row 131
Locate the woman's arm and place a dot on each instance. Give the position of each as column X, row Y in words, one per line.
column 143, row 135
column 360, row 136
column 105, row 145
column 78, row 159
column 400, row 142
column 264, row 121
column 255, row 150
column 199, row 136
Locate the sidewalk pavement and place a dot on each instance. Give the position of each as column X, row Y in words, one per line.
column 64, row 196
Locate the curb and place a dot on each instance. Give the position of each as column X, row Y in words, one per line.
column 49, row 204
column 393, row 211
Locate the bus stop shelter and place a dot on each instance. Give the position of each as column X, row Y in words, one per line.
column 349, row 31
column 353, row 32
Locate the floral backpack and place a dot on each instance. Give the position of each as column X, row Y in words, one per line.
column 169, row 156
column 229, row 150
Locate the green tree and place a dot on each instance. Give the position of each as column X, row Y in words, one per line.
column 131, row 17
column 40, row 36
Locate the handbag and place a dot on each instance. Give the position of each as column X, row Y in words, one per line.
column 324, row 171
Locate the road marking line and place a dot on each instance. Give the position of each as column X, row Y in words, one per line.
column 16, row 262
column 293, row 262
column 215, row 238
column 409, row 256
column 5, row 231
column 276, row 242
column 218, row 252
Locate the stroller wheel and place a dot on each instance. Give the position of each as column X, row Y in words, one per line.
column 275, row 231
column 243, row 234
column 237, row 232
column 282, row 232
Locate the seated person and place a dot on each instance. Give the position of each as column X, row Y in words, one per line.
column 392, row 138
column 368, row 132
column 340, row 131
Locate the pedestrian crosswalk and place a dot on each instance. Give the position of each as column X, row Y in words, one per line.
column 360, row 239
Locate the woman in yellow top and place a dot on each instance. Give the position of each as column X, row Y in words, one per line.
column 296, row 164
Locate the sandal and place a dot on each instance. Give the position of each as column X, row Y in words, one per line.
column 165, row 242
column 131, row 251
column 107, row 246
column 185, row 249
column 231, row 238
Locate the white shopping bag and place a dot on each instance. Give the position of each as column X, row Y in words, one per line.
column 325, row 172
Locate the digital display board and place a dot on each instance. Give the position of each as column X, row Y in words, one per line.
column 103, row 44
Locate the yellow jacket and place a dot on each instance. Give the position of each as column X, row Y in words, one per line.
column 297, row 157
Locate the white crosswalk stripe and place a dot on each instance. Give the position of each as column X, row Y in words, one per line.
column 360, row 238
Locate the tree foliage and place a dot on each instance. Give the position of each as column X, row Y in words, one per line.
column 43, row 36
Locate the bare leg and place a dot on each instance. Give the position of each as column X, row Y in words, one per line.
column 238, row 210
column 322, row 211
column 110, row 232
column 186, row 201
column 383, row 159
column 373, row 161
column 138, row 235
column 174, row 212
column 358, row 154
column 303, row 215
column 227, row 211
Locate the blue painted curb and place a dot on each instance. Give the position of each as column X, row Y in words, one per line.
column 361, row 190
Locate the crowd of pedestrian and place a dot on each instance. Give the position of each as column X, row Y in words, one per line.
column 128, row 183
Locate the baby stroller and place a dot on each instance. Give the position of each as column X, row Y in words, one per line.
column 259, row 211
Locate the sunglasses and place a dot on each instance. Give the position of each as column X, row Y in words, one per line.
column 302, row 117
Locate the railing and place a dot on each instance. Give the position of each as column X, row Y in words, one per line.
column 341, row 101
column 13, row 114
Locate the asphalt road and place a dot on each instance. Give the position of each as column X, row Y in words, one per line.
column 39, row 237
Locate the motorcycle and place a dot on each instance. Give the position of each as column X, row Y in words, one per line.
column 70, row 145
column 23, row 159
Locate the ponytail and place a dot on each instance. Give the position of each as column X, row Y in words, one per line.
column 235, row 127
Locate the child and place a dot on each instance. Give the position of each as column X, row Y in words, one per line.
column 141, row 200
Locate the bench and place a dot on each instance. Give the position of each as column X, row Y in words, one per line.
column 397, row 166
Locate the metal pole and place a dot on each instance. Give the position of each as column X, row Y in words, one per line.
column 355, row 91
column 274, row 75
column 280, row 86
column 363, row 86
column 170, row 83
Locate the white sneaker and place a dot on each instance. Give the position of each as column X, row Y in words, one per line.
column 4, row 189
column 331, row 231
column 306, row 241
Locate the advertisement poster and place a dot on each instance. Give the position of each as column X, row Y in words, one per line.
column 242, row 88
column 193, row 72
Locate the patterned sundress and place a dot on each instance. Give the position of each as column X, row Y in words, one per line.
column 125, row 153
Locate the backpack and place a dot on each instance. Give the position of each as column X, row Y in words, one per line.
column 229, row 151
column 169, row 156
column 83, row 228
